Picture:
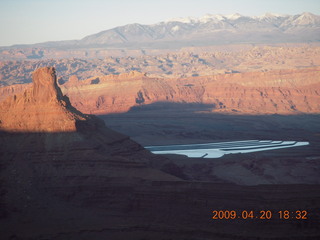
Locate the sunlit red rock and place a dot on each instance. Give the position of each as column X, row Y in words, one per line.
column 289, row 91
column 40, row 108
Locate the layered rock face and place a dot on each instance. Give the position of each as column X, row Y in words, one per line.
column 56, row 161
column 41, row 119
column 279, row 91
column 65, row 175
column 290, row 91
column 166, row 63
column 41, row 108
column 50, row 146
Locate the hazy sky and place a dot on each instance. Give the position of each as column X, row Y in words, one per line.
column 33, row 21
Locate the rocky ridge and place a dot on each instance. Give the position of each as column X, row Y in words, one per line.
column 40, row 108
column 185, row 63
column 47, row 127
column 290, row 91
column 281, row 91
column 186, row 32
column 214, row 29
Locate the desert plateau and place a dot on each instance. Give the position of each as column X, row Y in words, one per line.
column 79, row 120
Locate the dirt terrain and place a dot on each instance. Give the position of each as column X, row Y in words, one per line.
column 76, row 115
column 187, row 62
column 79, row 179
column 65, row 175
column 183, row 124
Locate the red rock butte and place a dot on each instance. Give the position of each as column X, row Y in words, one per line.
column 41, row 108
column 94, row 183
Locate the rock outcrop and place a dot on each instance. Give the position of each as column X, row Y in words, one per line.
column 290, row 91
column 65, row 175
column 166, row 63
column 49, row 144
column 41, row 108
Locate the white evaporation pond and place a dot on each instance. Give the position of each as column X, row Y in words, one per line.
column 217, row 150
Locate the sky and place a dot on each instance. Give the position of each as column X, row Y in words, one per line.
column 34, row 21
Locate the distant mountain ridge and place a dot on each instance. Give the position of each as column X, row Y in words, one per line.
column 216, row 29
column 207, row 30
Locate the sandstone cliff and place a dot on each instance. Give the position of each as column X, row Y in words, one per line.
column 65, row 175
column 41, row 124
column 289, row 91
column 41, row 108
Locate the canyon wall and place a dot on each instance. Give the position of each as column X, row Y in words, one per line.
column 291, row 91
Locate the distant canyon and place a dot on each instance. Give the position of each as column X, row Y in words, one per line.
column 291, row 91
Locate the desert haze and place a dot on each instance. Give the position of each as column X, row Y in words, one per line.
column 185, row 32
column 79, row 121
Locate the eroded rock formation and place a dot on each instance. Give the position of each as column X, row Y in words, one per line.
column 289, row 91
column 280, row 91
column 41, row 108
column 188, row 62
column 77, row 179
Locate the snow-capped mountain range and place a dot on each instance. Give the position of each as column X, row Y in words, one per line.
column 217, row 29
column 207, row 30
column 219, row 17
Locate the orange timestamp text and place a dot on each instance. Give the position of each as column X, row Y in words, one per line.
column 261, row 214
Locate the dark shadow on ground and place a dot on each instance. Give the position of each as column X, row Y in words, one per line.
column 172, row 106
column 54, row 186
column 172, row 123
column 169, row 123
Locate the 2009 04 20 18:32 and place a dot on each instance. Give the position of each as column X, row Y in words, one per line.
column 262, row 214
